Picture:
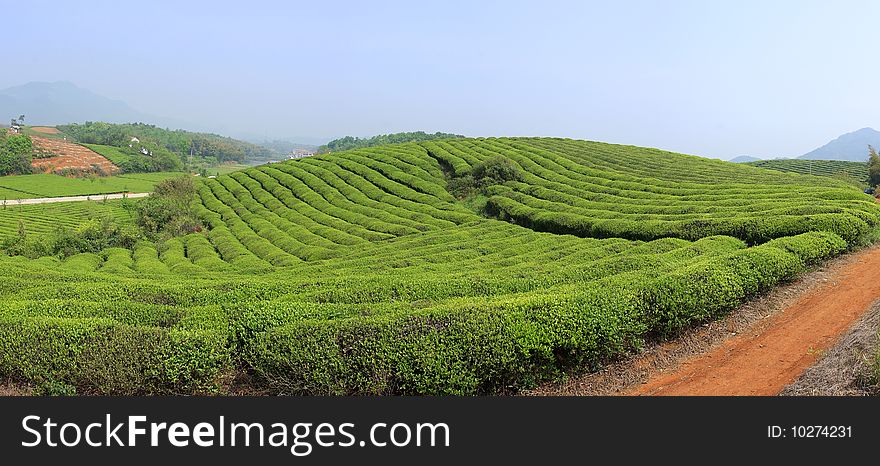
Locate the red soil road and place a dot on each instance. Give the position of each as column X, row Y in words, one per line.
column 68, row 156
column 764, row 363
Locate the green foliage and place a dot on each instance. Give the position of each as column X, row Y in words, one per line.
column 131, row 160
column 92, row 236
column 359, row 272
column 873, row 167
column 203, row 145
column 55, row 388
column 15, row 154
column 604, row 191
column 169, row 210
column 106, row 357
column 840, row 169
column 45, row 219
column 486, row 346
column 349, row 142
column 52, row 185
column 496, row 170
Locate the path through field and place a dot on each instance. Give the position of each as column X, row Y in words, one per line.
column 763, row 363
column 93, row 197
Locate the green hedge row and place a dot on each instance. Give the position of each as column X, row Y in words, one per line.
column 753, row 230
column 316, row 206
column 107, row 357
column 486, row 346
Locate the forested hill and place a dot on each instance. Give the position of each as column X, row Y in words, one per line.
column 349, row 142
column 203, row 145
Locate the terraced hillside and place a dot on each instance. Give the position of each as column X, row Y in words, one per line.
column 842, row 169
column 602, row 190
column 360, row 272
column 68, row 156
column 46, row 218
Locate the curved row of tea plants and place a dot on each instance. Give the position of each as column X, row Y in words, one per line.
column 358, row 272
column 414, row 315
column 843, row 169
column 603, row 190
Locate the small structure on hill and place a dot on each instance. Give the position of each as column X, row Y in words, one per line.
column 15, row 124
column 300, row 153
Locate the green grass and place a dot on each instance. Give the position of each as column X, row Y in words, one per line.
column 50, row 185
column 111, row 153
column 359, row 273
column 154, row 177
column 6, row 193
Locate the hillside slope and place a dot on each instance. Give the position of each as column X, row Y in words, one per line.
column 60, row 156
column 850, row 146
column 62, row 102
column 841, row 169
column 359, row 272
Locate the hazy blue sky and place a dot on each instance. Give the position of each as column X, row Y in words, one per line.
column 715, row 78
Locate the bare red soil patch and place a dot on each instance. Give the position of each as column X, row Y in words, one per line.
column 13, row 389
column 69, row 156
column 45, row 130
column 763, row 361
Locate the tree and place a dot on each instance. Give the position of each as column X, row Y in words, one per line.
column 496, row 170
column 348, row 142
column 873, row 167
column 169, row 210
column 181, row 144
column 15, row 154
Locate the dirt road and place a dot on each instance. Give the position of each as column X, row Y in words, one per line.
column 763, row 362
column 93, row 197
column 757, row 349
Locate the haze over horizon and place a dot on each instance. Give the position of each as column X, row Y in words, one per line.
column 719, row 79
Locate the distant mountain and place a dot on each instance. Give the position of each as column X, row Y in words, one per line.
column 744, row 159
column 61, row 102
column 851, row 146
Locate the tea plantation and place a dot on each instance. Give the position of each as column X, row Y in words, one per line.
column 405, row 269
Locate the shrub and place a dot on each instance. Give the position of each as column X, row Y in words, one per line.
column 99, row 355
column 496, row 170
column 15, row 154
column 483, row 175
column 92, row 236
column 169, row 210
